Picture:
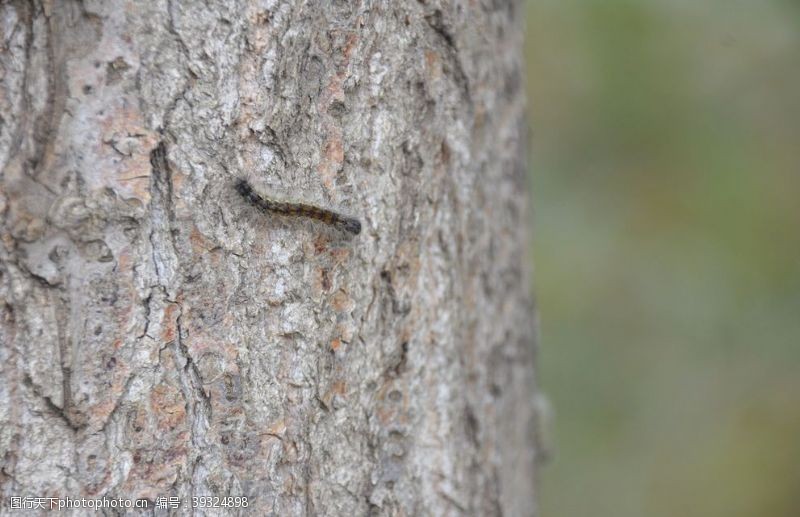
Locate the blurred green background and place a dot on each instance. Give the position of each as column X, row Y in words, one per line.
column 665, row 167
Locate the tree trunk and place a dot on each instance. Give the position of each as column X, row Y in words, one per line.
column 161, row 336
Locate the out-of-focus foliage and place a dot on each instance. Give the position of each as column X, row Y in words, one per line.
column 666, row 175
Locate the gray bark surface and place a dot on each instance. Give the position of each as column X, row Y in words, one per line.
column 161, row 337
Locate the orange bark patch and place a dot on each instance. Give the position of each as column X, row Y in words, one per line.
column 349, row 46
column 198, row 241
column 278, row 428
column 320, row 244
column 167, row 406
column 339, row 387
column 334, row 151
column 169, row 333
column 125, row 146
column 341, row 301
column 345, row 332
column 432, row 65
column 430, row 57
column 340, row 254
column 332, row 158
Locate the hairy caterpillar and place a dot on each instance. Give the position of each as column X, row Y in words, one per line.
column 266, row 204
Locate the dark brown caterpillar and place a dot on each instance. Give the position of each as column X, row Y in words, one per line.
column 297, row 209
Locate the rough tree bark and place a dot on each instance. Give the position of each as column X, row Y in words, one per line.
column 161, row 337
